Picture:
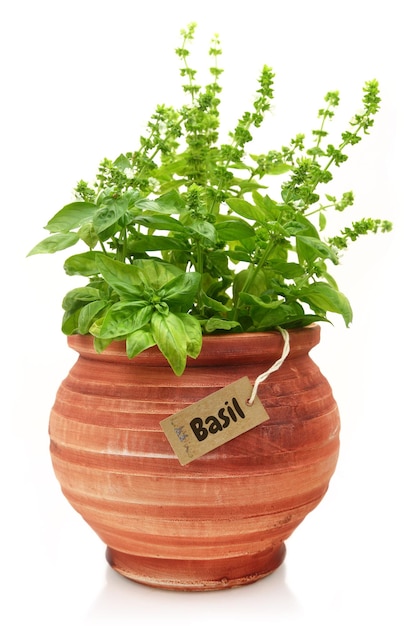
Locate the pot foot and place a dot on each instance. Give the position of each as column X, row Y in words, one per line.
column 197, row 575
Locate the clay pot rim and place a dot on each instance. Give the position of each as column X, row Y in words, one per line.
column 262, row 347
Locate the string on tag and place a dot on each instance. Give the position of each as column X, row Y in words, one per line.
column 273, row 368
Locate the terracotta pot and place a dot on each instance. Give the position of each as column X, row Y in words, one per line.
column 220, row 521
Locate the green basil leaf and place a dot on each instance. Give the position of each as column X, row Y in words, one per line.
column 144, row 204
column 54, row 243
column 326, row 298
column 88, row 234
column 234, row 230
column 194, row 335
column 78, row 297
column 171, row 339
column 125, row 317
column 69, row 324
column 306, row 253
column 125, row 279
column 247, row 210
column 88, row 314
column 247, row 186
column 101, row 344
column 251, row 299
column 287, row 270
column 258, row 286
column 320, row 248
column 122, row 163
column 217, row 323
column 156, row 273
column 162, row 308
column 109, row 213
column 138, row 341
column 169, row 203
column 213, row 304
column 71, row 216
column 304, row 319
column 145, row 243
column 268, row 318
column 204, row 229
column 161, row 222
column 267, row 205
column 294, row 228
column 238, row 255
column 84, row 264
column 181, row 290
column 217, row 261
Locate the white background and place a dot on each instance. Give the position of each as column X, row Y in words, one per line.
column 79, row 80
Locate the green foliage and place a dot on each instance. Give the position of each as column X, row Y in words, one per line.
column 183, row 239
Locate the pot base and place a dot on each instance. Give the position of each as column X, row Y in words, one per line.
column 197, row 575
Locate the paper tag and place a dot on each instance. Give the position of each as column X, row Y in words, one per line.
column 214, row 420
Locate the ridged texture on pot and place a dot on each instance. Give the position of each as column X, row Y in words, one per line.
column 221, row 520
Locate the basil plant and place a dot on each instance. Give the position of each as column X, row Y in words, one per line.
column 181, row 238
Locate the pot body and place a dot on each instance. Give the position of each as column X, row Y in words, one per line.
column 222, row 520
